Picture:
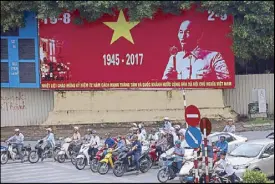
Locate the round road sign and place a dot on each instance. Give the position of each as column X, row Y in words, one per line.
column 192, row 115
column 205, row 124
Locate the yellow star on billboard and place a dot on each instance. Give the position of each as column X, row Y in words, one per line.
column 121, row 28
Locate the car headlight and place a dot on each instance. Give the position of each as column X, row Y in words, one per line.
column 245, row 166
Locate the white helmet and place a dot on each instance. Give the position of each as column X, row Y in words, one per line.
column 49, row 129
column 166, row 118
column 140, row 125
column 177, row 127
column 76, row 128
column 135, row 125
column 16, row 130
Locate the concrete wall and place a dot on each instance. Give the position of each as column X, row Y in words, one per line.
column 81, row 107
column 22, row 107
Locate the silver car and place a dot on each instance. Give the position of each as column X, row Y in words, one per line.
column 253, row 155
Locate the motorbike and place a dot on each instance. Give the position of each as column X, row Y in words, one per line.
column 186, row 174
column 216, row 178
column 125, row 163
column 99, row 155
column 83, row 157
column 168, row 169
column 67, row 153
column 43, row 153
column 11, row 153
column 216, row 154
column 107, row 162
column 153, row 154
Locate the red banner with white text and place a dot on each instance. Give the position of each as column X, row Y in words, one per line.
column 192, row 50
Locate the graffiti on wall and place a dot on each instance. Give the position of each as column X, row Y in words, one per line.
column 13, row 102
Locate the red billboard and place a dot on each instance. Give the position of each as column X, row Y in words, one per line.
column 192, row 50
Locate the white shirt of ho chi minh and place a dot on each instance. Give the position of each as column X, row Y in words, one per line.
column 200, row 64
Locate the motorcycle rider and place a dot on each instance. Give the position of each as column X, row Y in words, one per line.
column 226, row 168
column 94, row 143
column 76, row 137
column 142, row 129
column 179, row 154
column 121, row 144
column 161, row 144
column 222, row 145
column 18, row 142
column 136, row 151
column 109, row 142
column 210, row 153
column 49, row 139
column 88, row 136
column 230, row 127
column 172, row 137
column 167, row 124
column 177, row 130
column 154, row 135
column 141, row 136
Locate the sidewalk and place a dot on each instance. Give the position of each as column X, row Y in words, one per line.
column 36, row 132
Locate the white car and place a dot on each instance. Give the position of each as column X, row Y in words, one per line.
column 253, row 155
column 232, row 139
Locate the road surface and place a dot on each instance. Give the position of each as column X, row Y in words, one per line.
column 49, row 171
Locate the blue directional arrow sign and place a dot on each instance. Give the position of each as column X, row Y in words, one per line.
column 193, row 137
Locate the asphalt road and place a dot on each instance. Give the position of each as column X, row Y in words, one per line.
column 49, row 171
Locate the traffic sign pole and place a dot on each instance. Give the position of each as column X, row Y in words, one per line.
column 196, row 167
column 184, row 104
column 205, row 127
column 205, row 151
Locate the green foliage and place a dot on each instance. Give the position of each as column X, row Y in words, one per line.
column 253, row 29
column 254, row 177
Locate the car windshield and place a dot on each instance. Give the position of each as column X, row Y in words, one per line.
column 247, row 150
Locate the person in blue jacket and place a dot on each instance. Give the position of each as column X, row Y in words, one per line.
column 109, row 142
column 136, row 151
column 222, row 144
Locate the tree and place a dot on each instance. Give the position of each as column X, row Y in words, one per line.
column 253, row 29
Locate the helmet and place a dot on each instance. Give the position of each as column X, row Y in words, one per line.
column 222, row 136
column 49, row 129
column 166, row 118
column 16, row 130
column 134, row 129
column 140, row 125
column 135, row 125
column 76, row 128
column 93, row 131
column 178, row 142
column 177, row 127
